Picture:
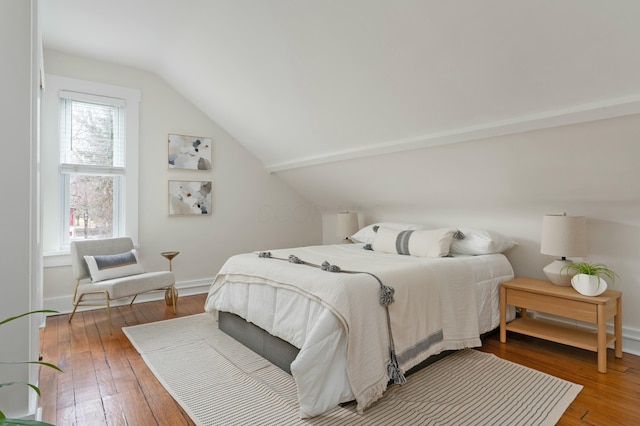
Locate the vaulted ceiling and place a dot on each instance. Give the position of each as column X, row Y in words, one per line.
column 301, row 82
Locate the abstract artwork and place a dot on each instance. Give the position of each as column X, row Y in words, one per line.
column 189, row 152
column 189, row 197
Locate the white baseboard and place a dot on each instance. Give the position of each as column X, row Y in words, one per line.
column 63, row 304
column 630, row 336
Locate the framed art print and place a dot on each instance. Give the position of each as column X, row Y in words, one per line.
column 189, row 197
column 189, row 152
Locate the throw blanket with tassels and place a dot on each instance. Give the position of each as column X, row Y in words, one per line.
column 394, row 372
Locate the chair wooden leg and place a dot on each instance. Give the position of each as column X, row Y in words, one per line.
column 75, row 302
column 109, row 315
column 75, row 306
column 133, row 300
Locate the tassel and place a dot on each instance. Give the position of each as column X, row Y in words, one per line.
column 386, row 295
column 395, row 373
column 264, row 254
column 375, row 228
column 294, row 259
column 458, row 235
column 326, row 266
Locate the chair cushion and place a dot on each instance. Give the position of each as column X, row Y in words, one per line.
column 130, row 285
column 108, row 266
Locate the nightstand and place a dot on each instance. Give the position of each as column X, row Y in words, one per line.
column 543, row 296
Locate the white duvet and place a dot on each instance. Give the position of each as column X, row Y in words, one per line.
column 336, row 321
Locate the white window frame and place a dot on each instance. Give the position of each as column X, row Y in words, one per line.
column 116, row 170
column 83, row 89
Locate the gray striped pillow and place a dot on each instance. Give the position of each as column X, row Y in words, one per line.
column 420, row 243
column 106, row 267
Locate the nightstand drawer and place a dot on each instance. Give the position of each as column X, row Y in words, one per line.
column 553, row 305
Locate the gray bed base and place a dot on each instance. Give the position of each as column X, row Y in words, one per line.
column 276, row 350
column 272, row 348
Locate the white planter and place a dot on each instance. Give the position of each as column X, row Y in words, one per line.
column 589, row 285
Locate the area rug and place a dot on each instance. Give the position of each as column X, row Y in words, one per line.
column 218, row 381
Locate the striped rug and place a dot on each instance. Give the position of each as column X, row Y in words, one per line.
column 218, row 381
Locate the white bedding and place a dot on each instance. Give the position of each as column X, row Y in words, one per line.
column 339, row 326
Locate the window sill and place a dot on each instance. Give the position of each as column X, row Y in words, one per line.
column 56, row 258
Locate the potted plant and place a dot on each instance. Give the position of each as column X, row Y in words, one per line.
column 3, row 419
column 588, row 277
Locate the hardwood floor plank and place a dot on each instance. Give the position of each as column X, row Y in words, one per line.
column 106, row 379
column 574, row 415
column 78, row 336
column 85, row 380
column 114, row 413
column 101, row 366
column 64, row 416
column 132, row 400
column 90, row 412
column 135, row 408
column 64, row 392
column 48, row 385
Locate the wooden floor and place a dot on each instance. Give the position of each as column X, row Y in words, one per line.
column 106, row 382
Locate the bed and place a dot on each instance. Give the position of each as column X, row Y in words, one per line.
column 326, row 302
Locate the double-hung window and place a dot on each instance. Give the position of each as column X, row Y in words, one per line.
column 92, row 166
column 97, row 160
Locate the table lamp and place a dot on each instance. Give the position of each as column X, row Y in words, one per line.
column 563, row 236
column 347, row 224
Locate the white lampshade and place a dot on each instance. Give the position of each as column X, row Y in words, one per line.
column 563, row 236
column 347, row 224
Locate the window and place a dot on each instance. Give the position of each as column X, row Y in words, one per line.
column 92, row 143
column 96, row 162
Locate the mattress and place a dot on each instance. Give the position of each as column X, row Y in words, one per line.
column 462, row 295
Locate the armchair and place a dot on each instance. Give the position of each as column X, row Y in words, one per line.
column 108, row 269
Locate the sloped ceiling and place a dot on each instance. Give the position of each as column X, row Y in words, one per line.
column 305, row 82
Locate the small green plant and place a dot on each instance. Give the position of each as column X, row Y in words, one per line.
column 596, row 269
column 3, row 419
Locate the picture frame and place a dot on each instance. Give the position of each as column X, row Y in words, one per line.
column 189, row 152
column 189, row 198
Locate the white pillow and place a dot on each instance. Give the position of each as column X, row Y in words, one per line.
column 106, row 267
column 367, row 235
column 481, row 241
column 421, row 243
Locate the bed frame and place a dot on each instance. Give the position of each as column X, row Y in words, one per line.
column 276, row 350
column 272, row 348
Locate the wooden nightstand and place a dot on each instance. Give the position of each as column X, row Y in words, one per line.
column 543, row 296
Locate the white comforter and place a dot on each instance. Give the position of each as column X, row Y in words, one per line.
column 336, row 321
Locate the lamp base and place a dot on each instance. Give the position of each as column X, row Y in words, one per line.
column 556, row 275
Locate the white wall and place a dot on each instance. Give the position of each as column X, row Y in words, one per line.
column 506, row 184
column 252, row 209
column 15, row 184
